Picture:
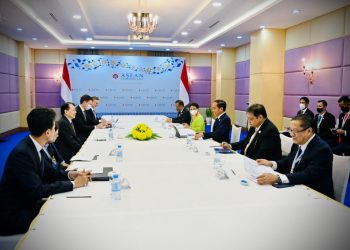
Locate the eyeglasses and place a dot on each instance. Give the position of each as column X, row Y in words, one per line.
column 296, row 132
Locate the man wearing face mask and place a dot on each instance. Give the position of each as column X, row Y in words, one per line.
column 343, row 130
column 325, row 122
column 81, row 124
column 183, row 115
column 303, row 105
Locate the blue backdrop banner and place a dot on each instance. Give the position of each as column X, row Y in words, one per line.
column 127, row 84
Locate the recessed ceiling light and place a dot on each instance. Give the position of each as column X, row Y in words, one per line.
column 92, row 47
column 296, row 11
column 222, row 45
column 131, row 48
column 216, row 4
column 34, row 38
column 167, row 49
column 175, row 41
column 19, row 29
column 88, row 39
column 184, row 33
column 262, row 26
column 46, row 46
column 77, row 17
column 197, row 21
column 83, row 29
column 209, row 50
column 239, row 37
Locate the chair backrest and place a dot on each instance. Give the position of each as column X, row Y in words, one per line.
column 341, row 170
column 286, row 143
column 235, row 133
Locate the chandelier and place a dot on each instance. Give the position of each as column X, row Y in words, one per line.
column 142, row 24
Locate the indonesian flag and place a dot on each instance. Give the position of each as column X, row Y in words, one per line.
column 184, row 86
column 66, row 90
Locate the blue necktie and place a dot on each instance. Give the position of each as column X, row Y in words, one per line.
column 42, row 161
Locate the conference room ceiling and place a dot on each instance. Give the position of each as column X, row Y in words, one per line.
column 50, row 24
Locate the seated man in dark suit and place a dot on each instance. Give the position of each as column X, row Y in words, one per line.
column 343, row 130
column 53, row 154
column 263, row 139
column 309, row 162
column 67, row 143
column 222, row 125
column 28, row 178
column 183, row 115
column 303, row 104
column 81, row 124
column 91, row 113
column 325, row 123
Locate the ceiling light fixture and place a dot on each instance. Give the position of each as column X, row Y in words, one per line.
column 216, row 4
column 296, row 11
column 197, row 21
column 175, row 41
column 77, row 17
column 262, row 26
column 34, row 38
column 19, row 29
column 239, row 37
column 222, row 45
column 184, row 33
column 142, row 23
column 88, row 39
column 83, row 29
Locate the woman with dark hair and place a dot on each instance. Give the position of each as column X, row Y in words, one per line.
column 197, row 122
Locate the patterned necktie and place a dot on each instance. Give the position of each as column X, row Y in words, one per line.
column 297, row 159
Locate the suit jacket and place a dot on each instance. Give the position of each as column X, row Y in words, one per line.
column 183, row 117
column 265, row 145
column 327, row 123
column 314, row 169
column 221, row 129
column 345, row 126
column 67, row 143
column 91, row 118
column 23, row 185
column 81, row 125
column 54, row 153
column 307, row 112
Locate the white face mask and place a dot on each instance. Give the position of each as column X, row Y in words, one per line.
column 193, row 112
column 302, row 106
column 88, row 107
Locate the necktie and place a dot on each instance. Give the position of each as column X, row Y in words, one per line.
column 93, row 111
column 71, row 124
column 42, row 161
column 297, row 159
column 84, row 112
column 216, row 123
column 250, row 141
column 319, row 119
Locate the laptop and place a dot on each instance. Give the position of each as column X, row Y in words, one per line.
column 102, row 176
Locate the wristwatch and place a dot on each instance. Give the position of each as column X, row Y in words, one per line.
column 279, row 181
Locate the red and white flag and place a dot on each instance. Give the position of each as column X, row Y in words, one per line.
column 66, row 90
column 184, row 86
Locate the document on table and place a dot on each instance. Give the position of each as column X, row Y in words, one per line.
column 83, row 157
column 254, row 170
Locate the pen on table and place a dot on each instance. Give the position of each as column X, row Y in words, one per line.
column 81, row 196
column 233, row 172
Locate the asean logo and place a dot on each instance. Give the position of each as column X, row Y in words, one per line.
column 115, row 76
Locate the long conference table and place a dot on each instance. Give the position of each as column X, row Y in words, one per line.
column 176, row 201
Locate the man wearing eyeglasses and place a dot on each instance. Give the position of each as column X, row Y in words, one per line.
column 309, row 162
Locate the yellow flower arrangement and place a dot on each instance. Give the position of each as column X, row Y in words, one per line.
column 142, row 132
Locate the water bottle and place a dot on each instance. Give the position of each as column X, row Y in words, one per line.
column 115, row 187
column 110, row 134
column 217, row 160
column 188, row 140
column 120, row 153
